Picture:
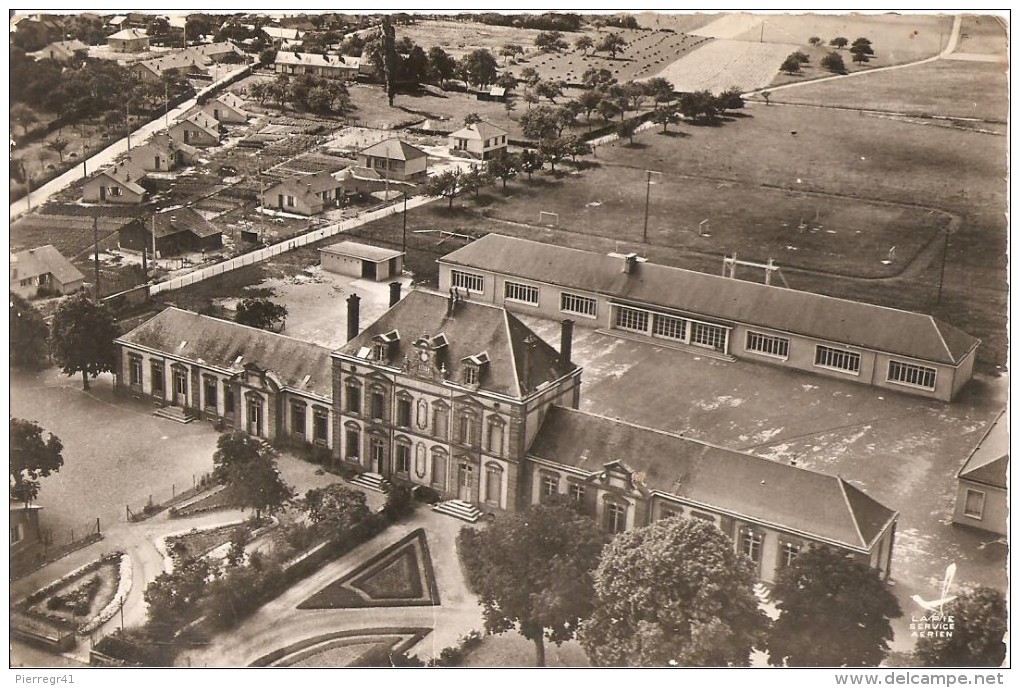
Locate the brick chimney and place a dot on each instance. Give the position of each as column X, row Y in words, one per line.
column 353, row 316
column 529, row 346
column 566, row 340
column 629, row 263
column 394, row 293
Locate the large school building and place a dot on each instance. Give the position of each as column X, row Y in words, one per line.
column 626, row 295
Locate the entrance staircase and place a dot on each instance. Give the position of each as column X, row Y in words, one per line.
column 371, row 481
column 459, row 509
column 175, row 413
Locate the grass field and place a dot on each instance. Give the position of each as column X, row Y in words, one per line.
column 983, row 35
column 461, row 37
column 719, row 65
column 948, row 88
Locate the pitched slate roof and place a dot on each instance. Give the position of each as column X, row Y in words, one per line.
column 203, row 121
column 232, row 101
column 715, row 297
column 126, row 174
column 318, row 60
column 472, row 329
column 216, row 48
column 394, row 149
column 70, row 47
column 176, row 220
column 989, row 462
column 376, row 254
column 298, row 365
column 480, row 131
column 819, row 505
column 307, row 184
column 129, row 34
column 46, row 260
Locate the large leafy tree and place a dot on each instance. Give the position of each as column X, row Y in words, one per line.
column 173, row 597
column 979, row 625
column 335, row 508
column 81, row 338
column 30, row 458
column 543, row 122
column 247, row 466
column 441, row 66
column 611, row 43
column 260, row 313
column 28, row 332
column 533, row 572
column 505, row 167
column 833, row 611
column 673, row 593
column 834, row 63
column 531, row 162
column 479, row 67
column 446, row 185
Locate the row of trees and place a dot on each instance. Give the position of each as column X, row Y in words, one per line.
column 304, row 92
column 553, row 42
column 675, row 593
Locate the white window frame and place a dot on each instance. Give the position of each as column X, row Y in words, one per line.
column 631, row 316
column 979, row 515
column 838, row 351
column 908, row 368
column 662, row 323
column 520, row 292
column 755, row 542
column 714, row 330
column 460, row 279
column 576, row 304
column 774, row 345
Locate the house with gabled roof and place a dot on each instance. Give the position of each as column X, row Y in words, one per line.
column 43, row 267
column 223, row 51
column 170, row 232
column 115, row 184
column 63, row 51
column 161, row 154
column 718, row 316
column 128, row 41
column 981, row 497
column 395, row 159
column 480, row 140
column 304, row 194
column 184, row 61
column 197, row 129
column 626, row 476
column 263, row 383
column 317, row 64
column 227, row 107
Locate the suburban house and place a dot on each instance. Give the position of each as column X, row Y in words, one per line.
column 981, row 498
column 198, row 129
column 362, row 181
column 304, row 194
column 453, row 395
column 626, row 476
column 128, row 41
column 224, row 51
column 115, row 184
column 184, row 61
column 278, row 33
column 355, row 259
column 446, row 393
column 24, row 527
column 717, row 316
column 394, row 159
column 43, row 267
column 480, row 140
column 266, row 384
column 161, row 154
column 63, row 51
column 177, row 230
column 317, row 64
column 226, row 108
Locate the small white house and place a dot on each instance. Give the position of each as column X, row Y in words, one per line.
column 481, row 140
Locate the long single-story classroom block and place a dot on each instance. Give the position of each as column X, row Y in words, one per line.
column 717, row 316
column 361, row 260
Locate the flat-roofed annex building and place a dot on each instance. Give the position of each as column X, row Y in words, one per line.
column 626, row 476
column 860, row 342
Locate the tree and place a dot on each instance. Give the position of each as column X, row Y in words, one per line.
column 23, row 116
column 698, row 104
column 608, row 109
column 507, row 80
column 414, row 69
column 588, row 102
column 611, row 43
column 663, row 116
column 531, row 162
column 979, row 625
column 31, row 458
column 625, row 129
column 861, row 50
column 833, row 611
column 173, row 597
column 335, row 509
column 260, row 91
column 554, row 150
column 472, row 118
column 479, row 67
column 446, row 185
column 530, row 76
column 584, row 44
column 673, row 593
column 28, row 333
column 260, row 313
column 791, row 65
column 576, row 146
column 532, row 571
column 548, row 89
column 474, row 180
column 730, row 99
column 860, row 41
column 509, row 51
column 505, row 167
column 81, row 338
column 389, row 59
column 550, row 42
column 58, row 145
column 839, row 42
column 247, row 467
column 597, row 78
column 442, row 67
column 815, row 41
column 766, row 95
column 800, row 56
column 540, row 123
column 660, row 89
column 834, row 63
column 635, row 93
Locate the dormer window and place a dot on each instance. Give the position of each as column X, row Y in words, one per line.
column 473, row 367
column 379, row 351
column 470, row 374
column 382, row 345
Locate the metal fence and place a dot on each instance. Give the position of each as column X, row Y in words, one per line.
column 175, row 495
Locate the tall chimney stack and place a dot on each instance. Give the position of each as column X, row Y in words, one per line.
column 529, row 345
column 394, row 293
column 353, row 316
column 566, row 340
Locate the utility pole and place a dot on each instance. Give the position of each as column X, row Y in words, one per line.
column 942, row 269
column 127, row 121
column 648, row 195
column 403, row 240
column 95, row 238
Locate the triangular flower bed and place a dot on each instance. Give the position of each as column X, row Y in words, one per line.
column 399, row 576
